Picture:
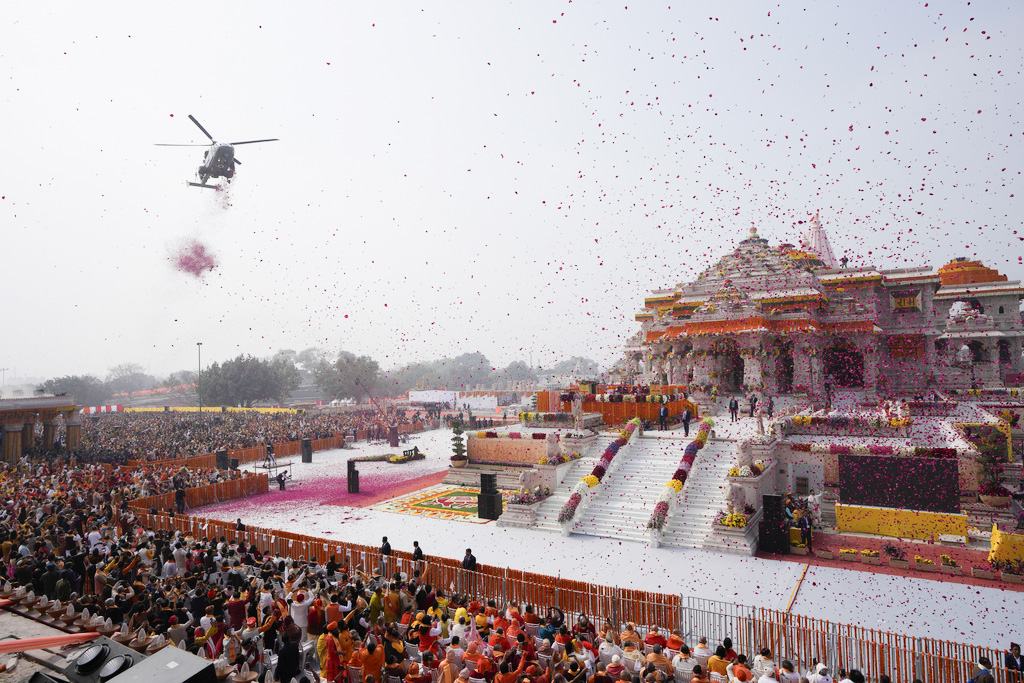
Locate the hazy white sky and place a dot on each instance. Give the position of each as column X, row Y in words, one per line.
column 462, row 176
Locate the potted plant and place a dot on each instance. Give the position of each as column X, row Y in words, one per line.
column 848, row 555
column 825, row 554
column 949, row 566
column 897, row 556
column 459, row 457
column 870, row 557
column 1012, row 571
column 924, row 564
column 798, row 549
column 983, row 573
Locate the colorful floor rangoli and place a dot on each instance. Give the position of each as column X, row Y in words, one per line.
column 445, row 501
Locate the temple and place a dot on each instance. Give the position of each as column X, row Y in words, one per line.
column 785, row 319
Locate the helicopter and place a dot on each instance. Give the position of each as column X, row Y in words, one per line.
column 219, row 160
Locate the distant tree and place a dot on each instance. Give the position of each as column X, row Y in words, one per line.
column 245, row 381
column 583, row 367
column 350, row 376
column 465, row 371
column 87, row 390
column 309, row 359
column 516, row 371
column 128, row 378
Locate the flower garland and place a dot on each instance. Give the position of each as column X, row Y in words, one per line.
column 675, row 484
column 560, row 458
column 790, row 424
column 597, row 474
column 871, row 449
column 734, row 520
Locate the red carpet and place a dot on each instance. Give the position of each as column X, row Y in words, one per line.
column 367, row 498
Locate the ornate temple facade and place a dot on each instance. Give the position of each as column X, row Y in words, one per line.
column 782, row 319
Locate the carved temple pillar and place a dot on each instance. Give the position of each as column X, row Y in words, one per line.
column 802, row 369
column 28, row 436
column 49, row 433
column 12, row 443
column 73, row 433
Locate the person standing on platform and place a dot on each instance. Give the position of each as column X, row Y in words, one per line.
column 469, row 561
column 753, row 404
column 686, row 417
column 769, row 408
column 385, row 551
column 663, row 417
column 734, row 409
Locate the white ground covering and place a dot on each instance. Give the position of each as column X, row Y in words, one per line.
column 984, row 616
column 436, row 445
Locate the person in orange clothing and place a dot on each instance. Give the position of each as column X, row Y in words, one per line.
column 531, row 617
column 332, row 667
column 505, row 672
column 629, row 634
column 498, row 640
column 657, row 658
column 563, row 636
column 675, row 641
column 608, row 632
column 485, row 669
column 473, row 653
column 414, row 675
column 373, row 660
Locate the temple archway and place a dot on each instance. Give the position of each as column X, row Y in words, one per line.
column 1004, row 351
column 979, row 352
column 844, row 364
column 729, row 365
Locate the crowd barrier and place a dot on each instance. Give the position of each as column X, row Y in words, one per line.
column 259, row 453
column 789, row 636
column 197, row 496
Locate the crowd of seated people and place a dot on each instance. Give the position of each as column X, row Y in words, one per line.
column 70, row 536
column 117, row 437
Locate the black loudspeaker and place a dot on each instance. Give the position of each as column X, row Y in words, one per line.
column 307, row 450
column 488, row 483
column 171, row 665
column 101, row 660
column 774, row 529
column 489, row 505
column 234, row 463
column 353, row 477
column 223, row 462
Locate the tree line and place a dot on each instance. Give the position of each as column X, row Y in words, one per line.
column 246, row 380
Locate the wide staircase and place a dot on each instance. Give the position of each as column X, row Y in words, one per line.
column 547, row 513
column 627, row 496
column 689, row 525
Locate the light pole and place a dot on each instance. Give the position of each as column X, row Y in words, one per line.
column 199, row 384
column 4, row 371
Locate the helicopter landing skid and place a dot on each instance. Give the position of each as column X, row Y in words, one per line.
column 211, row 187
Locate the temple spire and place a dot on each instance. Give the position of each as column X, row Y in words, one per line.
column 815, row 240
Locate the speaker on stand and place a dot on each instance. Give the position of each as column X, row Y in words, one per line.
column 353, row 477
column 307, row 450
column 223, row 462
column 489, row 503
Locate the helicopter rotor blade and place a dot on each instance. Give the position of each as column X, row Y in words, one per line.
column 173, row 144
column 237, row 162
column 207, row 134
column 249, row 142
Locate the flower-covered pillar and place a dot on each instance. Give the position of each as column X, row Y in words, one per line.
column 802, row 369
column 868, row 349
column 703, row 364
column 753, row 360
